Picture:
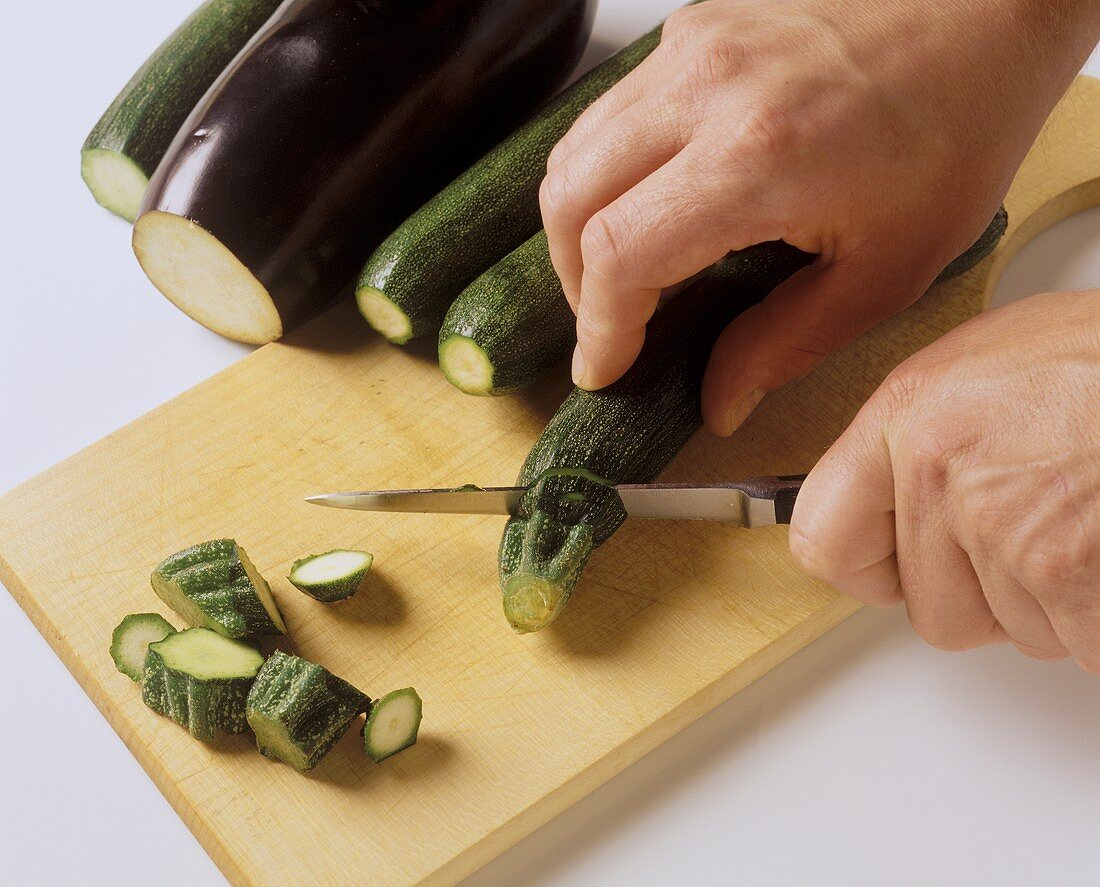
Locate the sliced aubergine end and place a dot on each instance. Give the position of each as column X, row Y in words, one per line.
column 467, row 366
column 384, row 316
column 116, row 182
column 200, row 275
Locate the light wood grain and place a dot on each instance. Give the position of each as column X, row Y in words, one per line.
column 670, row 620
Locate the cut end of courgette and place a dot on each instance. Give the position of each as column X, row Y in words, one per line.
column 131, row 640
column 274, row 741
column 202, row 278
column 393, row 724
column 263, row 591
column 466, row 365
column 208, row 656
column 383, row 315
column 116, row 182
column 333, row 576
column 531, row 602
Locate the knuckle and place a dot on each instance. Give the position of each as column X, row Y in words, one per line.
column 950, row 638
column 766, row 132
column 1053, row 563
column 605, row 243
column 556, row 194
column 811, row 554
column 900, row 390
column 683, row 28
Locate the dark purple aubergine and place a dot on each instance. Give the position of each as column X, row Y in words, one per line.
column 337, row 120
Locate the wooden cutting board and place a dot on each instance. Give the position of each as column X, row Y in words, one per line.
column 670, row 620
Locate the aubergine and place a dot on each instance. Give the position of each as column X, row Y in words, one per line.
column 327, row 130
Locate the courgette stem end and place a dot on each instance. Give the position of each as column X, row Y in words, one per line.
column 384, row 316
column 466, row 365
column 116, row 182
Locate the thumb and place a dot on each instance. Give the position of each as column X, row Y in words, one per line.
column 817, row 311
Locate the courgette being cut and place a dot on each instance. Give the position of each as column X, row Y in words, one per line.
column 131, row 639
column 200, row 680
column 125, row 146
column 513, row 323
column 298, row 710
column 334, row 123
column 214, row 584
column 414, row 275
column 333, row 576
column 392, row 724
column 629, row 431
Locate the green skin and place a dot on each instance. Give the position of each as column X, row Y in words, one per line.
column 629, row 431
column 517, row 314
column 487, row 211
column 333, row 591
column 216, row 590
column 144, row 118
column 518, row 300
column 313, row 706
column 202, row 705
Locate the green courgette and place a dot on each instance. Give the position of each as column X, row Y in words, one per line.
column 393, row 724
column 414, row 275
column 200, row 680
column 509, row 326
column 513, row 323
column 629, row 431
column 127, row 143
column 298, row 710
column 214, row 584
column 333, row 576
column 132, row 638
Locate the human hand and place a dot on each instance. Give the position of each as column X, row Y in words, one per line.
column 969, row 486
column 879, row 134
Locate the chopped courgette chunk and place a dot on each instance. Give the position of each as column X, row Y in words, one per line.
column 392, row 724
column 200, row 680
column 132, row 638
column 214, row 585
column 298, row 710
column 332, row 576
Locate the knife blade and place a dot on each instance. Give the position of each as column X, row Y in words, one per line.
column 756, row 502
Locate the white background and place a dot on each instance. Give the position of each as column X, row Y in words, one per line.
column 866, row 759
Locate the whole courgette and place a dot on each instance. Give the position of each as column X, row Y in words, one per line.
column 125, row 146
column 629, row 431
column 513, row 323
column 410, row 280
column 335, row 122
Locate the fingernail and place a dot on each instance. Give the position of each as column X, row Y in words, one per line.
column 744, row 407
column 578, row 367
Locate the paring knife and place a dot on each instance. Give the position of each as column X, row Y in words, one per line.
column 756, row 502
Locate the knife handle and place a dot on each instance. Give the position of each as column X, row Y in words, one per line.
column 783, row 491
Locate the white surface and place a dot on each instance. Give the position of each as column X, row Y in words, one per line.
column 867, row 759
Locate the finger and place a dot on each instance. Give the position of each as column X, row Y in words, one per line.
column 614, row 159
column 1021, row 616
column 804, row 320
column 842, row 529
column 636, row 85
column 943, row 596
column 1078, row 627
column 679, row 220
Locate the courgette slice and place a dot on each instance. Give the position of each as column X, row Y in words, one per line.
column 131, row 137
column 629, row 431
column 214, row 584
column 333, row 576
column 131, row 639
column 298, row 710
column 392, row 724
column 200, row 680
column 414, row 275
